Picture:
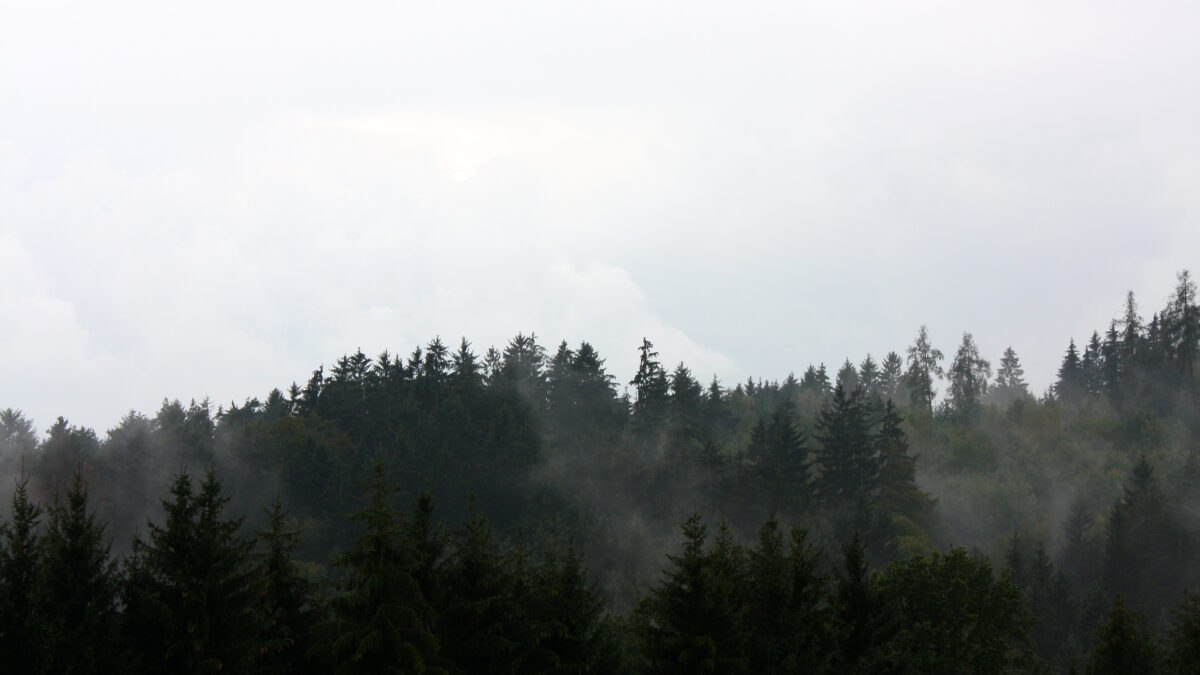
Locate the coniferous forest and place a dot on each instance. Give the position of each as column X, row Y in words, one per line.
column 523, row 510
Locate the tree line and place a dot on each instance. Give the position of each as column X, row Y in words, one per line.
column 1082, row 495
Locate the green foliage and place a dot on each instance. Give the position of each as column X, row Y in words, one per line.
column 849, row 461
column 692, row 622
column 287, row 601
column 968, row 376
column 953, row 616
column 1122, row 644
column 22, row 624
column 381, row 624
column 79, row 600
column 924, row 366
column 189, row 593
column 1183, row 640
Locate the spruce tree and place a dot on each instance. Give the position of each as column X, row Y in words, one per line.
column 1122, row 644
column 787, row 622
column 80, row 587
column 689, row 623
column 968, row 376
column 924, row 365
column 286, row 600
column 1010, row 380
column 849, row 461
column 189, row 590
column 1070, row 385
column 476, row 623
column 652, row 390
column 953, row 615
column 868, row 373
column 847, row 376
column 861, row 622
column 891, row 377
column 1183, row 639
column 22, row 625
column 1145, row 547
column 382, row 624
column 898, row 491
column 573, row 611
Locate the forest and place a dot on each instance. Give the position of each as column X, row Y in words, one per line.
column 523, row 510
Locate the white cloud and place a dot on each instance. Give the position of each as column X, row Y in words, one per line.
column 218, row 198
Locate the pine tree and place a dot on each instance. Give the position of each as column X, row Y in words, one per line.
column 476, row 624
column 1145, row 546
column 1122, row 644
column 860, row 617
column 573, row 613
column 847, row 376
column 523, row 368
column 189, row 590
column 22, row 626
column 1184, row 636
column 1092, row 366
column 968, row 375
column 1010, row 380
column 869, row 374
column 652, row 390
column 891, row 377
column 849, row 461
column 286, row 601
column 65, row 450
column 687, row 623
column 466, row 369
column 923, row 367
column 80, row 582
column 782, row 460
column 898, row 491
column 18, row 440
column 786, row 618
column 382, row 623
column 1080, row 554
column 685, row 410
column 1112, row 367
column 1070, row 384
column 1182, row 327
column 953, row 615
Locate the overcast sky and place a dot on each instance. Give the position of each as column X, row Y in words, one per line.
column 214, row 198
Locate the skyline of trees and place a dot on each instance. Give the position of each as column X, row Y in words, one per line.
column 1083, row 493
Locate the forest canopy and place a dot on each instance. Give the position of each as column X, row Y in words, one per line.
column 524, row 510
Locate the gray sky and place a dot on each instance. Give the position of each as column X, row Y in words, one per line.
column 215, row 199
